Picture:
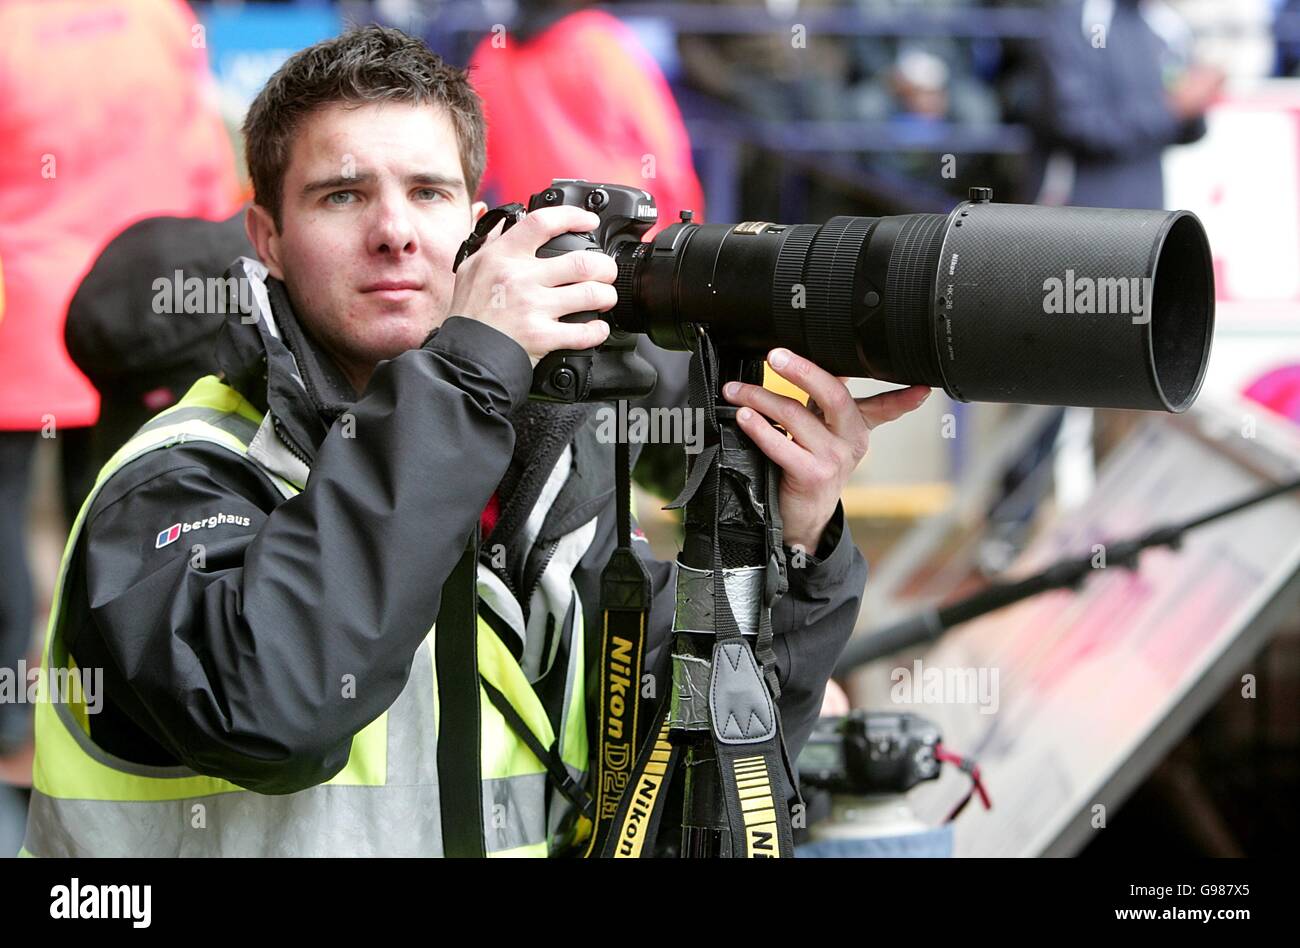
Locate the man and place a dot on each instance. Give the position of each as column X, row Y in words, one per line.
column 258, row 570
column 1114, row 86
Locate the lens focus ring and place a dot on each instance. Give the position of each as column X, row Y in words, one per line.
column 912, row 267
column 788, row 286
column 831, row 265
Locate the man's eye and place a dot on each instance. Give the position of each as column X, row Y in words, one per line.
column 346, row 195
column 428, row 194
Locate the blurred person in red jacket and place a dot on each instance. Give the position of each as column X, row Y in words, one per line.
column 572, row 93
column 108, row 115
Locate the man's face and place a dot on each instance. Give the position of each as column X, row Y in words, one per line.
column 373, row 210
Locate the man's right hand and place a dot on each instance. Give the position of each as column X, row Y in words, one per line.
column 506, row 285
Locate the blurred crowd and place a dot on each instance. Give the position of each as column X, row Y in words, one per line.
column 923, row 75
column 912, row 70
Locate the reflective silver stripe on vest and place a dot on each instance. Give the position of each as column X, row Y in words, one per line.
column 322, row 821
column 326, row 820
column 229, row 422
column 513, row 811
column 262, row 446
column 399, row 818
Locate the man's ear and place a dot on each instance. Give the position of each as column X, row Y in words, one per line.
column 264, row 237
column 476, row 210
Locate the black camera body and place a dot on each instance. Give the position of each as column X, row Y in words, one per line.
column 612, row 370
column 870, row 752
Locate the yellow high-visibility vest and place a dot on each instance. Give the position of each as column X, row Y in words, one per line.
column 385, row 801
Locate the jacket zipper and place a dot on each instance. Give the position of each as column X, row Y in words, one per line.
column 537, row 581
column 288, row 441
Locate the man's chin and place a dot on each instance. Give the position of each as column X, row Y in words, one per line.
column 377, row 347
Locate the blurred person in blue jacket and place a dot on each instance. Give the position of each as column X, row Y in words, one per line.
column 1115, row 86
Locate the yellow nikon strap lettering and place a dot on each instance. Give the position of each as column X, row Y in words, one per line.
column 754, row 787
column 625, row 601
column 756, row 808
column 642, row 808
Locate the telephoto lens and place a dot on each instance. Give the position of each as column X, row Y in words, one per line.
column 1090, row 307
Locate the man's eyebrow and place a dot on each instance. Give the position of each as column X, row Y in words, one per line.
column 434, row 180
column 424, row 178
column 338, row 181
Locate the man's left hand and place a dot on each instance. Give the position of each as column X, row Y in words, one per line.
column 828, row 437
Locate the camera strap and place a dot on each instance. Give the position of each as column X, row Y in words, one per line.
column 640, row 811
column 625, row 592
column 743, row 714
column 510, row 213
column 744, row 720
column 455, row 651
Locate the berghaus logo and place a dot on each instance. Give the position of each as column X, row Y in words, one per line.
column 171, row 534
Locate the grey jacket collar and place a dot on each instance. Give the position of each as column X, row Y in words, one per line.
column 265, row 355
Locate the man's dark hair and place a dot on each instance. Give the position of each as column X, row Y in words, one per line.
column 365, row 64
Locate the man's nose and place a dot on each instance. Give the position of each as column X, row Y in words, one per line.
column 392, row 233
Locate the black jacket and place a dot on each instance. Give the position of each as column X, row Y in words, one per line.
column 232, row 666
